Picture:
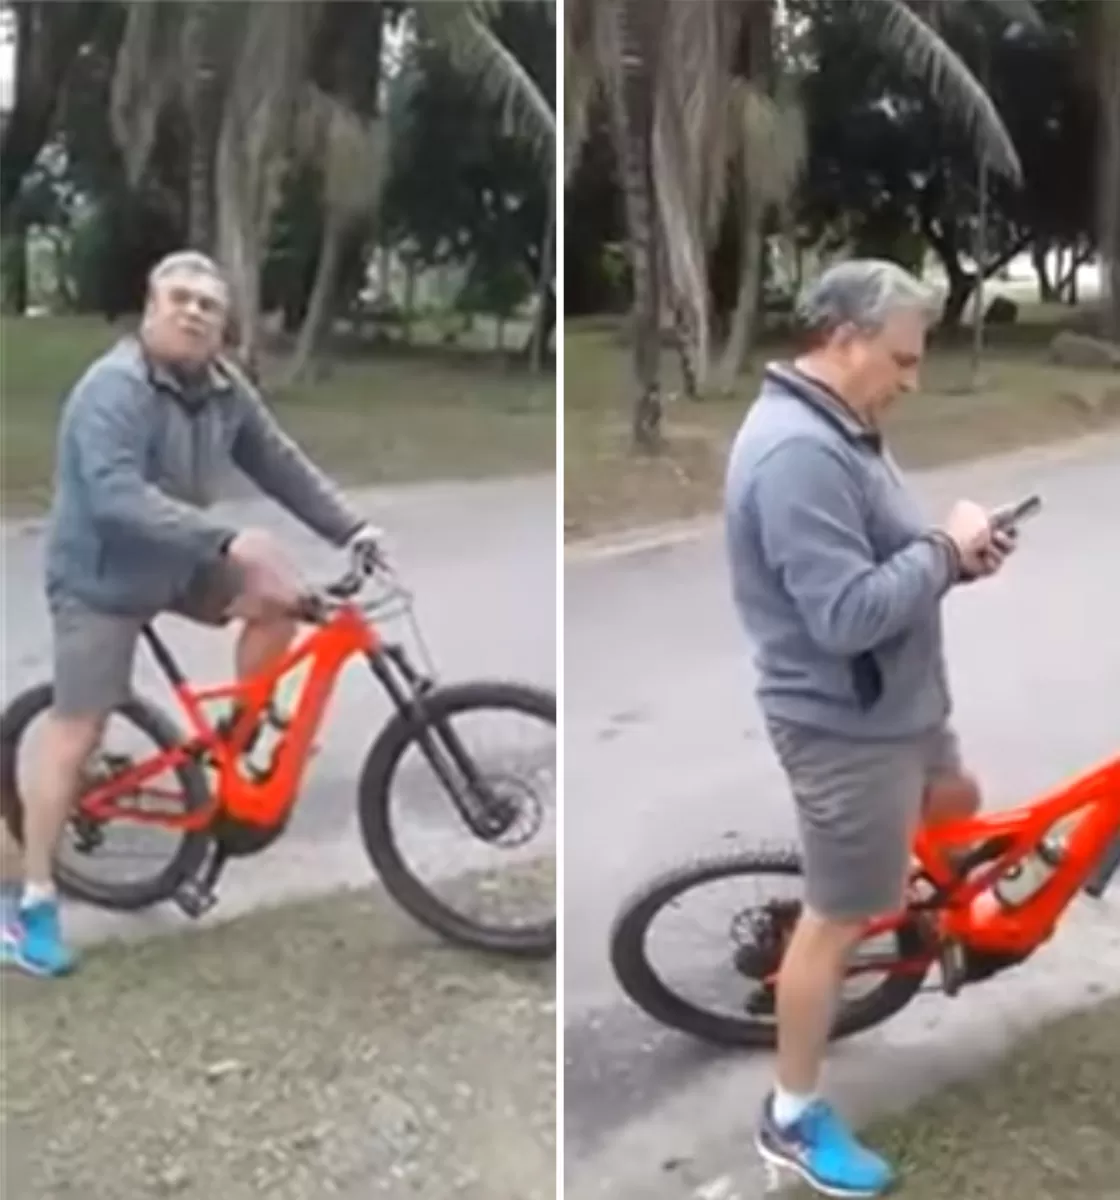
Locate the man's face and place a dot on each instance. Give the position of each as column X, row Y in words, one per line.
column 185, row 318
column 882, row 366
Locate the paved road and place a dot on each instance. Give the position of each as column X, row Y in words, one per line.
column 481, row 560
column 664, row 758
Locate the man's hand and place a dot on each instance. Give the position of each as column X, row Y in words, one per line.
column 982, row 550
column 368, row 551
column 271, row 584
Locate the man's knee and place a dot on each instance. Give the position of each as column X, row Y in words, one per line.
column 951, row 797
column 275, row 630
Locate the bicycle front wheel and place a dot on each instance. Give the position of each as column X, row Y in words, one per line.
column 426, row 783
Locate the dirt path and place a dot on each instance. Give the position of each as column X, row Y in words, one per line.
column 325, row 1049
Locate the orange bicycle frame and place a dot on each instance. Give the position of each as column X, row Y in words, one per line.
column 266, row 802
column 1089, row 847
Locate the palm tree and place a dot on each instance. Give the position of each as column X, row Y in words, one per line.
column 347, row 136
column 253, row 58
column 665, row 72
column 467, row 31
column 251, row 80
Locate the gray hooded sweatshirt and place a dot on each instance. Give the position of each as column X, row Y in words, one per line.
column 140, row 458
column 836, row 576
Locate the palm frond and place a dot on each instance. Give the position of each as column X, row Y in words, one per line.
column 771, row 144
column 921, row 51
column 1024, row 12
column 584, row 71
column 351, row 151
column 475, row 49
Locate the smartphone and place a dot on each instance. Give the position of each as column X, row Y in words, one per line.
column 1011, row 515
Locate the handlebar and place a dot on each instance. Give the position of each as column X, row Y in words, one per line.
column 320, row 603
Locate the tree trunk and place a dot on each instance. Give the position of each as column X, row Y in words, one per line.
column 745, row 317
column 685, row 340
column 203, row 111
column 635, row 33
column 252, row 150
column 408, row 305
column 540, row 332
column 49, row 37
column 962, row 284
column 14, row 253
column 1040, row 255
column 759, row 64
column 320, row 305
column 1109, row 158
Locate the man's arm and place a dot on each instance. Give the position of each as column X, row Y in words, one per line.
column 279, row 467
column 109, row 423
column 809, row 513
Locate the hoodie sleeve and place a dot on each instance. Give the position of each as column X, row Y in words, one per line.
column 809, row 513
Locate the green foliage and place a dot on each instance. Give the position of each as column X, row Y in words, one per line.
column 461, row 188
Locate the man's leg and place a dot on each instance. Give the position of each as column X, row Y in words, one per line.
column 11, row 875
column 951, row 793
column 92, row 666
column 808, row 988
column 857, row 807
column 215, row 597
column 261, row 643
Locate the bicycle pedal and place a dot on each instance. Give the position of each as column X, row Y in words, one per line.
column 195, row 902
column 954, row 965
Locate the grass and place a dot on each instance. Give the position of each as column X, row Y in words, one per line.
column 1042, row 1125
column 326, row 1049
column 1024, row 400
column 381, row 416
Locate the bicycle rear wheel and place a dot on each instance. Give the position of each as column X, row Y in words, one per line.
column 504, row 797
column 185, row 851
column 753, row 1022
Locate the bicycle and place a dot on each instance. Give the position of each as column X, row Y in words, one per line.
column 245, row 810
column 985, row 892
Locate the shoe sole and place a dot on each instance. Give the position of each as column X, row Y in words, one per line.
column 776, row 1161
column 11, row 957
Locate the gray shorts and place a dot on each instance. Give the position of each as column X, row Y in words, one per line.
column 858, row 806
column 94, row 651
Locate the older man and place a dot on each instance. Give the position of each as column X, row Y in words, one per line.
column 144, row 438
column 838, row 580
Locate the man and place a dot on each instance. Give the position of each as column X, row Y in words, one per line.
column 838, row 581
column 144, row 438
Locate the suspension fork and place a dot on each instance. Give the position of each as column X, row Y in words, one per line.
column 474, row 799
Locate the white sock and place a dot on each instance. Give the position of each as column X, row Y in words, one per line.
column 789, row 1106
column 36, row 893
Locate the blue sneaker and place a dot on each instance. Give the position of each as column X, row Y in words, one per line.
column 822, row 1150
column 32, row 941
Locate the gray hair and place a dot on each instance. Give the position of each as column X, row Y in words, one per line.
column 192, row 261
column 862, row 292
